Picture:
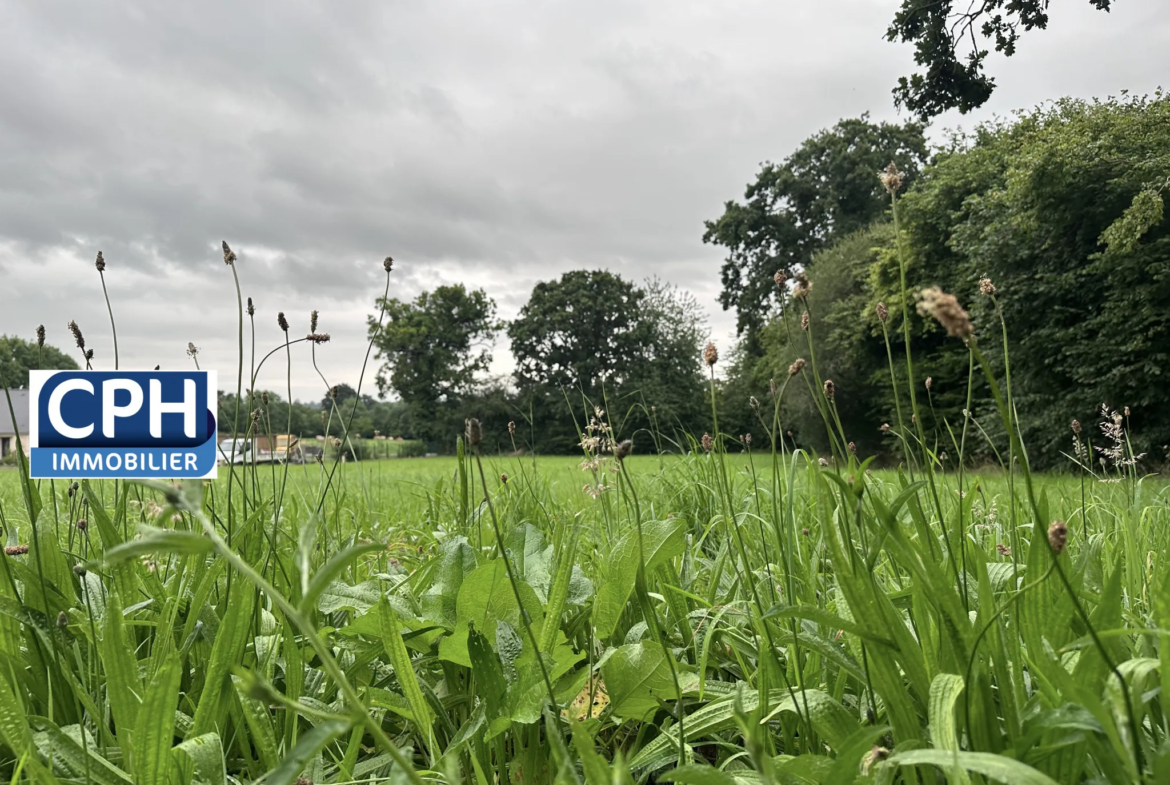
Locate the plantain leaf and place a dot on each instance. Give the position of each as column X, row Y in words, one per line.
column 638, row 676
column 988, row 764
column 226, row 653
column 661, row 542
column 69, row 757
column 120, row 664
column 152, row 540
column 404, row 670
column 944, row 693
column 332, row 569
column 154, row 733
column 204, row 755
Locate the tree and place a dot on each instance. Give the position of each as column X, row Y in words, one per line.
column 579, row 332
column 18, row 357
column 668, row 380
column 1063, row 211
column 343, row 393
column 434, row 349
column 849, row 350
column 593, row 338
column 827, row 189
column 938, row 32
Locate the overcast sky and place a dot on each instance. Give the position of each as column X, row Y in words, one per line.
column 495, row 144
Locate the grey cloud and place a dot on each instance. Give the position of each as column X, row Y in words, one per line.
column 494, row 144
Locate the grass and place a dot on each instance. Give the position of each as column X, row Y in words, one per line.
column 708, row 617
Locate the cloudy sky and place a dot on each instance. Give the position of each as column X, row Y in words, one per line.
column 495, row 144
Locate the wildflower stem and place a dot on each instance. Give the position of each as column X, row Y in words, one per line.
column 109, row 308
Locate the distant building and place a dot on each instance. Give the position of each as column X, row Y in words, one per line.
column 10, row 430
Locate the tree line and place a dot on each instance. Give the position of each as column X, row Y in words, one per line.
column 590, row 339
column 1059, row 210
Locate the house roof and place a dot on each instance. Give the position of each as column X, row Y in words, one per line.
column 20, row 406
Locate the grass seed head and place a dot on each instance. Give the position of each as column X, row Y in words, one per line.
column 1076, row 427
column 79, row 570
column 282, row 322
column 891, row 178
column 780, row 278
column 796, row 367
column 803, row 286
column 710, row 354
column 40, row 335
column 708, row 442
column 986, row 287
column 929, row 382
column 623, row 449
column 474, row 432
column 511, row 428
column 946, row 309
column 830, row 390
column 82, row 525
column 77, row 336
column 192, row 349
column 15, row 550
column 883, row 313
column 388, row 264
column 229, row 256
column 313, row 321
column 853, row 448
column 746, row 439
column 504, row 478
column 1057, row 536
column 1003, row 550
column 804, row 321
column 100, row 263
column 317, row 338
column 88, row 354
column 251, row 308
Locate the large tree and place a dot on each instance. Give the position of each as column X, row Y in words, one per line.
column 825, row 190
column 580, row 331
column 435, row 350
column 602, row 340
column 18, row 357
column 1063, row 209
column 950, row 43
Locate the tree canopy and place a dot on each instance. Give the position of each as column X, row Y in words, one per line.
column 434, row 349
column 18, row 357
column 579, row 331
column 954, row 79
column 825, row 190
column 1062, row 209
column 592, row 338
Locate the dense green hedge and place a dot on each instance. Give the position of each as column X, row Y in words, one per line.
column 1062, row 209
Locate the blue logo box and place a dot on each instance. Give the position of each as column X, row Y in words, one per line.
column 122, row 424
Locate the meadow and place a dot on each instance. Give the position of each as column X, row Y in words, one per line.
column 788, row 621
column 718, row 610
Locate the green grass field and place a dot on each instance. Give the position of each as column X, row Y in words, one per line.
column 797, row 625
